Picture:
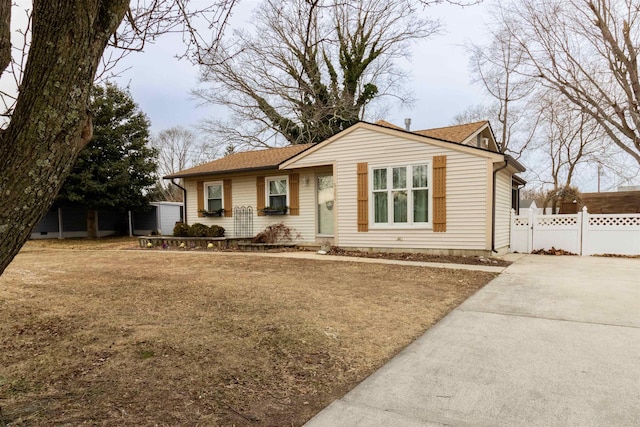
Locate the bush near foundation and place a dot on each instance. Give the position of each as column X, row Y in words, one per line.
column 197, row 230
column 181, row 229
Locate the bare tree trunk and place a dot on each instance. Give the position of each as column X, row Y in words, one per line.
column 92, row 224
column 50, row 123
column 5, row 33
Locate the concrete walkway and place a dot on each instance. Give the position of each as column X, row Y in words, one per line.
column 317, row 257
column 553, row 341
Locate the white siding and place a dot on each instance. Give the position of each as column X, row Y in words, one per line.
column 503, row 209
column 467, row 198
column 244, row 194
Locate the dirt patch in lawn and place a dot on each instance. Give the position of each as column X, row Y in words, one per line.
column 194, row 338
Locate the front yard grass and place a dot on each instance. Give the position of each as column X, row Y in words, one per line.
column 193, row 338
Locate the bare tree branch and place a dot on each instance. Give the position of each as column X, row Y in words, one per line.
column 50, row 122
column 587, row 51
column 309, row 68
column 179, row 149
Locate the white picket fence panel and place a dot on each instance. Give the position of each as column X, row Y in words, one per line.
column 582, row 233
column 611, row 234
column 521, row 232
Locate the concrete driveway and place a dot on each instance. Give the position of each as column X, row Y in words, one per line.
column 553, row 341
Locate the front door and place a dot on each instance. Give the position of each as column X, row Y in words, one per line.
column 325, row 204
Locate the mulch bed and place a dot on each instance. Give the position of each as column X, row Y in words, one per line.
column 420, row 257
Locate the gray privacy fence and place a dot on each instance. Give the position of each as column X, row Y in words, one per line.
column 582, row 233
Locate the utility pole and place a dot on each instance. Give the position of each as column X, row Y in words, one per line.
column 600, row 173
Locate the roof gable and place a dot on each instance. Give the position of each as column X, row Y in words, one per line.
column 458, row 133
column 461, row 137
column 381, row 126
column 467, row 133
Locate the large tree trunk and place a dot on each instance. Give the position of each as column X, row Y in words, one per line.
column 50, row 123
column 92, row 224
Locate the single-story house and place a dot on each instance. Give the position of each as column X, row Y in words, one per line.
column 372, row 186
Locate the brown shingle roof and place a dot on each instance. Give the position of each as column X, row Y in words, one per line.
column 457, row 133
column 271, row 158
column 388, row 125
column 245, row 161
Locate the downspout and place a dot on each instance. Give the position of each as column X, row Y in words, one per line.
column 493, row 208
column 184, row 200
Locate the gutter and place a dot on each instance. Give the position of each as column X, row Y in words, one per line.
column 493, row 206
column 184, row 200
column 221, row 172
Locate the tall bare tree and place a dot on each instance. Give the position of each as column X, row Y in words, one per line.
column 587, row 51
column 568, row 138
column 309, row 68
column 179, row 148
column 496, row 66
column 50, row 122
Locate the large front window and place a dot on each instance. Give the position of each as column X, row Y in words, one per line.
column 401, row 195
column 276, row 192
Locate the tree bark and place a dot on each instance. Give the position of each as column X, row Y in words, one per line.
column 92, row 224
column 50, row 123
column 5, row 33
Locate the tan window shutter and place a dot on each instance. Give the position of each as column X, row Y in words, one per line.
column 294, row 194
column 200, row 191
column 260, row 195
column 228, row 199
column 363, row 197
column 440, row 194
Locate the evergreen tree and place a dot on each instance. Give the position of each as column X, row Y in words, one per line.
column 117, row 168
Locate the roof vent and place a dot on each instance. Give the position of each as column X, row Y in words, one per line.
column 407, row 124
column 484, row 143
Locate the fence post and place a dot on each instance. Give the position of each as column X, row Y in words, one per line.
column 511, row 229
column 532, row 221
column 584, row 231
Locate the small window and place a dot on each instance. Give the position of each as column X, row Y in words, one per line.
column 380, row 195
column 276, row 192
column 213, row 195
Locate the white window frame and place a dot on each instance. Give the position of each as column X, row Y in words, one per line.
column 390, row 224
column 269, row 179
column 206, row 193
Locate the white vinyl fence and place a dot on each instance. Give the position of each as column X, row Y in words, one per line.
column 582, row 233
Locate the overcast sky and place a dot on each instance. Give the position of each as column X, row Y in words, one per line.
column 440, row 79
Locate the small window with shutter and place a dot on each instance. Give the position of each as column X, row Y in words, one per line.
column 214, row 196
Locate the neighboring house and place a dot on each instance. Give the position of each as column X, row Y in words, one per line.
column 528, row 205
column 71, row 221
column 371, row 186
column 160, row 219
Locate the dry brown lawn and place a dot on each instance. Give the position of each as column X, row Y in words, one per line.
column 145, row 338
